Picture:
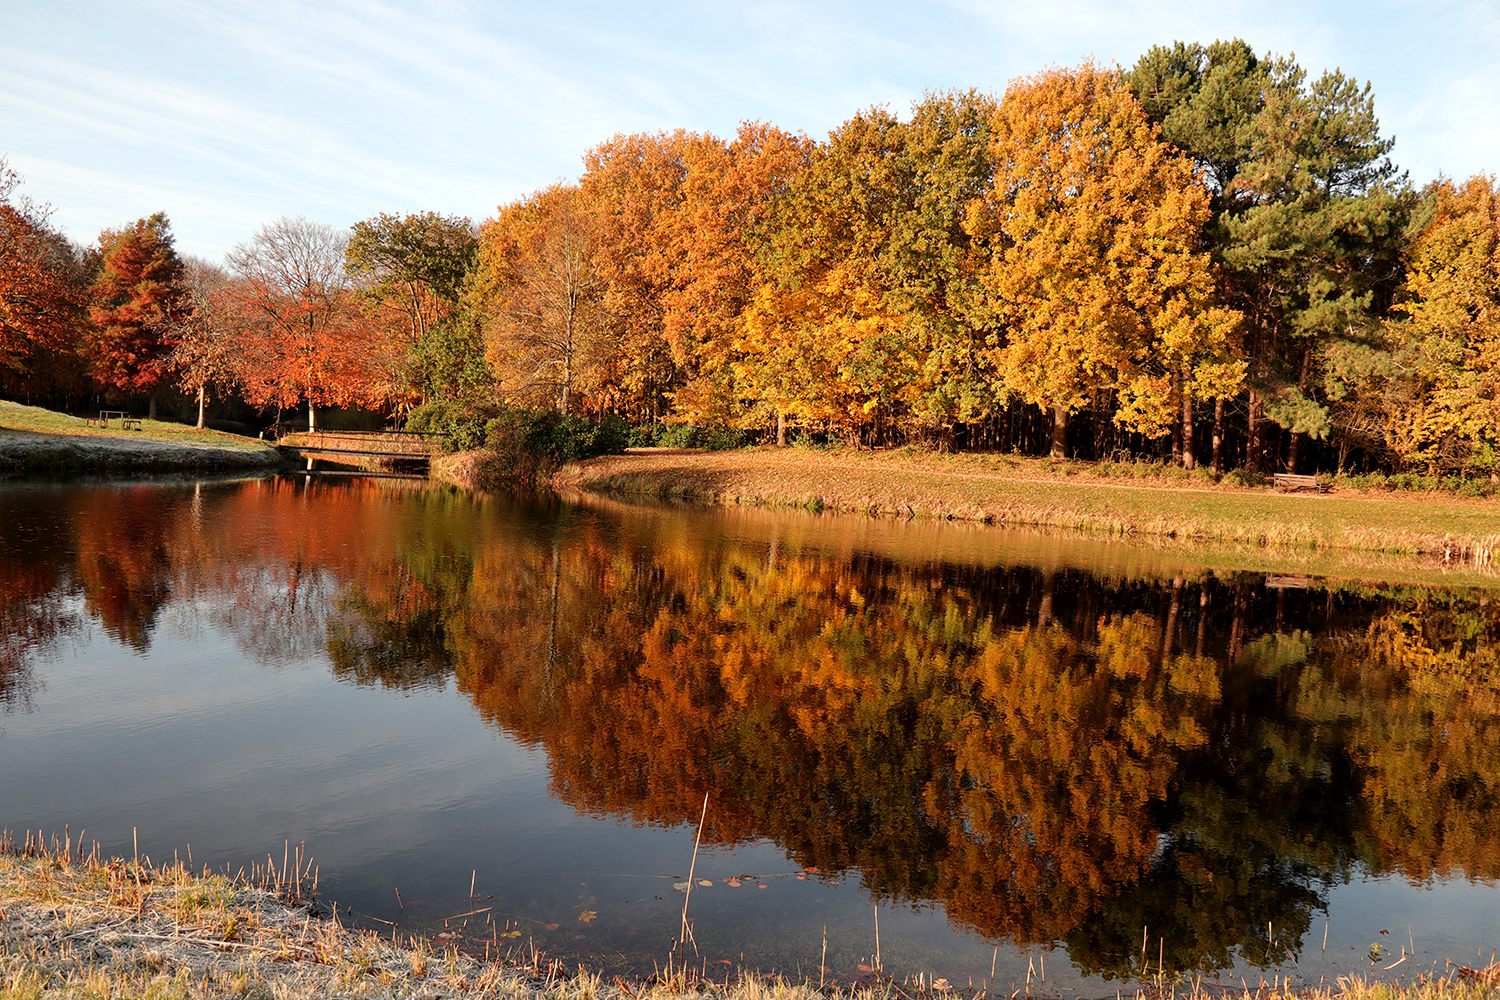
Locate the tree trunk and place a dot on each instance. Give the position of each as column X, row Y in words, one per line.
column 780, row 430
column 202, row 410
column 1101, row 425
column 1291, row 453
column 151, row 408
column 1189, row 460
column 1218, row 458
column 1059, row 431
column 1044, row 607
column 312, row 417
column 1169, row 633
column 1253, row 444
column 1176, row 424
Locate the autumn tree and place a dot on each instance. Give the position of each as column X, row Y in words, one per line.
column 138, row 303
column 302, row 335
column 41, row 305
column 207, row 350
column 419, row 261
column 635, row 188
column 1308, row 227
column 547, row 331
column 1443, row 408
column 411, row 271
column 868, row 313
column 1096, row 272
column 680, row 215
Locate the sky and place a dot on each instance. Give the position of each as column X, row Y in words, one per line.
column 227, row 114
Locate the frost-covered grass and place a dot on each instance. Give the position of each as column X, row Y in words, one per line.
column 73, row 924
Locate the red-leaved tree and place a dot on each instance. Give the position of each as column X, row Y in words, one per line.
column 40, row 307
column 138, row 303
column 301, row 335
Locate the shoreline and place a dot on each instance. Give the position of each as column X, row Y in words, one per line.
column 76, row 924
column 1009, row 491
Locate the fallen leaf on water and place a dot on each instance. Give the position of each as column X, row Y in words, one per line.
column 681, row 886
column 587, row 916
column 734, row 882
column 705, row 881
column 763, row 886
column 802, row 877
column 941, row 984
column 515, row 934
column 864, row 968
column 809, row 869
column 553, row 927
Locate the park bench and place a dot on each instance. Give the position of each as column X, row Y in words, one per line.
column 130, row 423
column 1292, row 483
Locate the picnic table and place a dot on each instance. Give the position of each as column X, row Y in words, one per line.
column 127, row 422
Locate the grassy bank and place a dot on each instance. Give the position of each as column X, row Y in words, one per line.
column 36, row 440
column 77, row 925
column 1076, row 496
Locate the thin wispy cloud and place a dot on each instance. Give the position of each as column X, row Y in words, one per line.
column 231, row 113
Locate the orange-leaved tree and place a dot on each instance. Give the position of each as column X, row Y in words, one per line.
column 1097, row 272
column 302, row 335
column 547, row 331
column 40, row 307
column 138, row 302
column 679, row 214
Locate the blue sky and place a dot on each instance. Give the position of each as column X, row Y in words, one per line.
column 229, row 113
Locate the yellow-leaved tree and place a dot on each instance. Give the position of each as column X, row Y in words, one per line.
column 1098, row 274
column 1445, row 412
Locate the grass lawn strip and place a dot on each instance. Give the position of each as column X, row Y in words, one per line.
column 1016, row 492
column 34, row 439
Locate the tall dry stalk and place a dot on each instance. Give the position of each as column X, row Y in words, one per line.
column 692, row 868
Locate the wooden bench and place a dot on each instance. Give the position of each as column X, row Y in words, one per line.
column 1292, row 483
column 130, row 423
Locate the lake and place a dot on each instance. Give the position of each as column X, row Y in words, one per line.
column 947, row 750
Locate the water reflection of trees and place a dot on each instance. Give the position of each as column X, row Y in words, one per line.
column 1052, row 755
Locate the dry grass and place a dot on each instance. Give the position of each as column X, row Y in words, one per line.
column 76, row 925
column 1073, row 496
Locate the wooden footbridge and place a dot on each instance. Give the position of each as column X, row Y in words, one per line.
column 363, row 453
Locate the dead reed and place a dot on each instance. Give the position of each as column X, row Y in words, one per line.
column 76, row 924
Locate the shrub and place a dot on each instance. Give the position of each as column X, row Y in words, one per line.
column 664, row 435
column 534, row 443
column 1244, row 477
column 461, row 424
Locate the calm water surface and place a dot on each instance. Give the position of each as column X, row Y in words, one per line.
column 1001, row 748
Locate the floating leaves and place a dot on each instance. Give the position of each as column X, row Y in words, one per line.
column 587, row 916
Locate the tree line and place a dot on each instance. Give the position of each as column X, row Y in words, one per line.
column 1209, row 256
